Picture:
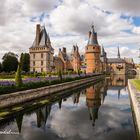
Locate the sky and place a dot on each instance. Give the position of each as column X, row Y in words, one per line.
column 68, row 22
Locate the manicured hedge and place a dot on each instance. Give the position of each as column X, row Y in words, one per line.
column 32, row 85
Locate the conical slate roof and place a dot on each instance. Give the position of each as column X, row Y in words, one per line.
column 93, row 37
column 42, row 39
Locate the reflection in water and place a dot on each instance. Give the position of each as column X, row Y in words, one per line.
column 93, row 100
column 117, row 81
column 60, row 103
column 42, row 115
column 91, row 113
column 19, row 122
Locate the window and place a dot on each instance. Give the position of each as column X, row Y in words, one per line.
column 41, row 55
column 33, row 69
column 33, row 55
column 41, row 63
column 41, row 69
column 33, row 63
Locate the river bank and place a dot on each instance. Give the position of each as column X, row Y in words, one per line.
column 28, row 95
column 135, row 101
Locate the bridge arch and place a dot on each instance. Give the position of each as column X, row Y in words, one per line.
column 132, row 70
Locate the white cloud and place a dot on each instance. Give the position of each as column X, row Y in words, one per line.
column 33, row 7
column 125, row 7
column 136, row 30
column 77, row 19
column 124, row 51
column 68, row 23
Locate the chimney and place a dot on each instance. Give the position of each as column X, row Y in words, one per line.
column 37, row 34
column 64, row 50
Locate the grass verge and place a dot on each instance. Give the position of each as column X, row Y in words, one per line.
column 136, row 83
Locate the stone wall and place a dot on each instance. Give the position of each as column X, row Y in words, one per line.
column 135, row 101
column 28, row 95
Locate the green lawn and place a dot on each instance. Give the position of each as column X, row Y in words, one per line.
column 136, row 83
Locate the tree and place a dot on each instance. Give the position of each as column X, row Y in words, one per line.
column 60, row 75
column 0, row 67
column 10, row 62
column 25, row 62
column 18, row 77
column 79, row 72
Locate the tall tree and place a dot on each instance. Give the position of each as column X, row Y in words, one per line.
column 0, row 67
column 18, row 77
column 10, row 62
column 25, row 62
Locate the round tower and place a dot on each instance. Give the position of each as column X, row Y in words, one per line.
column 92, row 53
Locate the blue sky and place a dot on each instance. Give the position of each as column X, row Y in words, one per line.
column 136, row 20
column 117, row 22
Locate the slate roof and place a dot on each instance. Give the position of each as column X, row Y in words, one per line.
column 115, row 60
column 44, row 39
column 93, row 37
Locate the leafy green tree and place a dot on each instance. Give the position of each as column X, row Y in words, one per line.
column 0, row 67
column 18, row 77
column 10, row 62
column 79, row 72
column 25, row 62
column 44, row 74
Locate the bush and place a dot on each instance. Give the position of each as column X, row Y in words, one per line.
column 33, row 85
column 60, row 75
column 18, row 77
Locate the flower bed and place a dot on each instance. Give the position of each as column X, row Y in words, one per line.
column 31, row 83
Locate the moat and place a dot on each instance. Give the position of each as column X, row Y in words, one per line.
column 99, row 111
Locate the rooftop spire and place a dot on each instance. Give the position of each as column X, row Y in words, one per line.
column 92, row 29
column 92, row 37
column 119, row 53
column 102, row 51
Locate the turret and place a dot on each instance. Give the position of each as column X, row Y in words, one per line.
column 92, row 53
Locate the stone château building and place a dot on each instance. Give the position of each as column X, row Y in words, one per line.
column 41, row 52
column 42, row 57
column 120, row 65
column 69, row 62
column 95, row 59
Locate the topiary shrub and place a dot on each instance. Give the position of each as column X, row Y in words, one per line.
column 18, row 78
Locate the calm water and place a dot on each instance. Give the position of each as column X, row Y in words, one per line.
column 100, row 111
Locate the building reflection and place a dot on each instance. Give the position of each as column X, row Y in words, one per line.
column 103, row 91
column 75, row 97
column 60, row 103
column 95, row 96
column 42, row 115
column 19, row 120
column 117, row 82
